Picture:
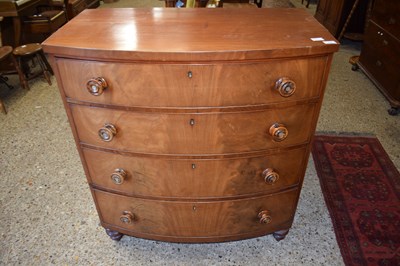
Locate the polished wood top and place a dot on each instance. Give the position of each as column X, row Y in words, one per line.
column 170, row 34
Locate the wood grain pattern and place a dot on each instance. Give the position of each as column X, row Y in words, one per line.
column 158, row 34
column 215, row 133
column 168, row 85
column 186, row 178
column 197, row 218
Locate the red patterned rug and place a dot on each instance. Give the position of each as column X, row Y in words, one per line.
column 361, row 187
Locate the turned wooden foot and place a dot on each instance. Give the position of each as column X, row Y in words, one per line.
column 114, row 235
column 279, row 235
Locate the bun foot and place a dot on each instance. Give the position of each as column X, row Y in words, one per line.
column 114, row 235
column 281, row 234
column 394, row 111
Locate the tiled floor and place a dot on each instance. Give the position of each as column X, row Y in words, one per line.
column 47, row 215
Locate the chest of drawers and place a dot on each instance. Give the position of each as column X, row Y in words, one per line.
column 380, row 55
column 192, row 127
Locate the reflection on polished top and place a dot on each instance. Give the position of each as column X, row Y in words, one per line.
column 204, row 33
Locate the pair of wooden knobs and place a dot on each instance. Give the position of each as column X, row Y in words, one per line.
column 278, row 131
column 285, row 86
column 128, row 217
column 269, row 175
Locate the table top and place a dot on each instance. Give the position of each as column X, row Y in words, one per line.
column 187, row 34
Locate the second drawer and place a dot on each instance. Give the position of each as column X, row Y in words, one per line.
column 199, row 133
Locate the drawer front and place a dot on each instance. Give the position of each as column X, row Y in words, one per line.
column 383, row 43
column 204, row 133
column 195, row 219
column 387, row 15
column 383, row 70
column 170, row 85
column 140, row 176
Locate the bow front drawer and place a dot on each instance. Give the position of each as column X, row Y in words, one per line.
column 198, row 133
column 197, row 219
column 175, row 178
column 182, row 85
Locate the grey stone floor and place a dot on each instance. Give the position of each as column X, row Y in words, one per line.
column 47, row 215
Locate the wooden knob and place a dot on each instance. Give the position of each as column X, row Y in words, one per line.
column 96, row 86
column 118, row 176
column 278, row 132
column 265, row 217
column 127, row 217
column 270, row 176
column 285, row 86
column 107, row 132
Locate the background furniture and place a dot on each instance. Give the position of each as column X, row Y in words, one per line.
column 380, row 55
column 46, row 20
column 203, row 3
column 13, row 11
column 74, row 7
column 209, row 139
column 333, row 14
column 307, row 3
column 258, row 3
column 5, row 52
column 198, row 3
column 31, row 51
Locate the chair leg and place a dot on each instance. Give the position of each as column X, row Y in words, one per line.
column 258, row 3
column 48, row 67
column 44, row 68
column 3, row 107
column 22, row 78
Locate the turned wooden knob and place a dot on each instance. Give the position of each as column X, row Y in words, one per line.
column 127, row 217
column 118, row 176
column 265, row 217
column 285, row 86
column 278, row 132
column 96, row 86
column 107, row 132
column 270, row 176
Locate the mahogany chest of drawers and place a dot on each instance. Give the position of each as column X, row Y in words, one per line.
column 380, row 55
column 192, row 127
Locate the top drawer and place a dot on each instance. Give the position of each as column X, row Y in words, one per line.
column 194, row 85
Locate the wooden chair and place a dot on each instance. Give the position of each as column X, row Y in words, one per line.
column 5, row 52
column 47, row 19
column 28, row 52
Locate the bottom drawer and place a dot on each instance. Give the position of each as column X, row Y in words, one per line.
column 186, row 221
